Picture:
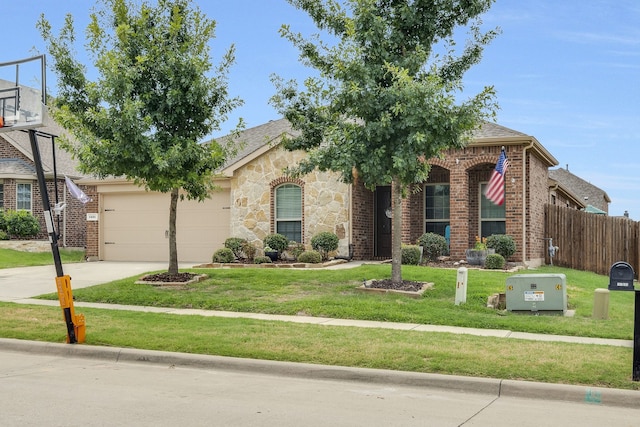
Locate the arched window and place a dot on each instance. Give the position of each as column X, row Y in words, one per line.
column 288, row 211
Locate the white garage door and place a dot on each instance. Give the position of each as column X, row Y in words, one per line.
column 135, row 227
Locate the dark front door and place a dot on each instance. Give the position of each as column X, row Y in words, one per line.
column 383, row 222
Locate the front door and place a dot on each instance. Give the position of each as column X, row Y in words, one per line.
column 383, row 213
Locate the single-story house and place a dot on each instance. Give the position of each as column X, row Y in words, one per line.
column 256, row 198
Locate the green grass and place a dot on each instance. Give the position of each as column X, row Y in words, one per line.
column 10, row 258
column 333, row 293
column 590, row 365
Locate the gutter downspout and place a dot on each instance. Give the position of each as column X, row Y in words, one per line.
column 524, row 201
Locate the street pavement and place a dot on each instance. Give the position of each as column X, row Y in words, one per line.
column 253, row 392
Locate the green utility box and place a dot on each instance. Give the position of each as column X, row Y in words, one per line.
column 537, row 293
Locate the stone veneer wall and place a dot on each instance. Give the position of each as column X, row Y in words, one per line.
column 325, row 200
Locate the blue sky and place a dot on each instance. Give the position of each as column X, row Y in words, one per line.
column 566, row 72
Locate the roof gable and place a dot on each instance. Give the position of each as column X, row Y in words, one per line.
column 65, row 164
column 584, row 189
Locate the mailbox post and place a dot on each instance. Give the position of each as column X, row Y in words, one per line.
column 621, row 279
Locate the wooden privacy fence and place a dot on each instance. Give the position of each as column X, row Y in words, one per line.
column 591, row 242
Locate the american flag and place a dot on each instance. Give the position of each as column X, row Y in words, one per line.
column 76, row 191
column 495, row 188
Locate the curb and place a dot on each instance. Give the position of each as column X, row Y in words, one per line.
column 496, row 387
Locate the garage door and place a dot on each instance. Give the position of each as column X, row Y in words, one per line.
column 135, row 227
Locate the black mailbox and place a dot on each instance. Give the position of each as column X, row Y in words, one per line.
column 621, row 277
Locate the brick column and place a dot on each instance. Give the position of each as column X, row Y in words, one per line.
column 459, row 211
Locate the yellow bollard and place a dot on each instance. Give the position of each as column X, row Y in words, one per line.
column 601, row 304
column 63, row 283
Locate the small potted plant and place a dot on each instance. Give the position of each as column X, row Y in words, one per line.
column 478, row 254
column 271, row 253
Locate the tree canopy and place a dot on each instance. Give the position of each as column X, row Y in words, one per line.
column 385, row 98
column 156, row 96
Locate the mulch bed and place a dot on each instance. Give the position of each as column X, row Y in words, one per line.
column 405, row 285
column 168, row 277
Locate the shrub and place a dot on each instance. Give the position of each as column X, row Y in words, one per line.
column 410, row 254
column 324, row 243
column 434, row 245
column 311, row 257
column 224, row 255
column 262, row 260
column 494, row 262
column 21, row 224
column 3, row 221
column 295, row 249
column 503, row 244
column 276, row 242
column 249, row 250
column 4, row 235
column 235, row 244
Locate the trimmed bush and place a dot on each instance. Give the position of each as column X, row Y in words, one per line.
column 276, row 242
column 434, row 245
column 324, row 243
column 410, row 254
column 311, row 257
column 262, row 260
column 3, row 221
column 295, row 249
column 224, row 255
column 503, row 244
column 494, row 262
column 249, row 250
column 4, row 235
column 235, row 244
column 21, row 224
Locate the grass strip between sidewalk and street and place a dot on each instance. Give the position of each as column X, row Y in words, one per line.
column 444, row 353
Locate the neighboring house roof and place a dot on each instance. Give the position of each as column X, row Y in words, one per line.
column 566, row 193
column 257, row 140
column 64, row 162
column 16, row 168
column 585, row 190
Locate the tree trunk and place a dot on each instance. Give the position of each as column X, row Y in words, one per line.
column 396, row 231
column 173, row 246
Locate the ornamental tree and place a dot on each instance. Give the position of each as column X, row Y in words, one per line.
column 385, row 95
column 155, row 97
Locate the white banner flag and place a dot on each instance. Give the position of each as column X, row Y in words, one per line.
column 76, row 192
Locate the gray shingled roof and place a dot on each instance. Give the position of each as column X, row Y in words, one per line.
column 16, row 167
column 588, row 192
column 255, row 138
column 493, row 130
column 65, row 164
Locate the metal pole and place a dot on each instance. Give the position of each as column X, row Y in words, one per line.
column 636, row 338
column 53, row 238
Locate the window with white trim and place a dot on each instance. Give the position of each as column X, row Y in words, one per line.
column 288, row 211
column 492, row 217
column 1, row 197
column 436, row 208
column 23, row 196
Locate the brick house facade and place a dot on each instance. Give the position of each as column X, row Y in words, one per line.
column 256, row 188
column 17, row 168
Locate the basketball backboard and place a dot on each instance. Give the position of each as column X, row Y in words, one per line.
column 22, row 93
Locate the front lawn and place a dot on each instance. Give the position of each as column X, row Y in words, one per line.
column 10, row 258
column 333, row 293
